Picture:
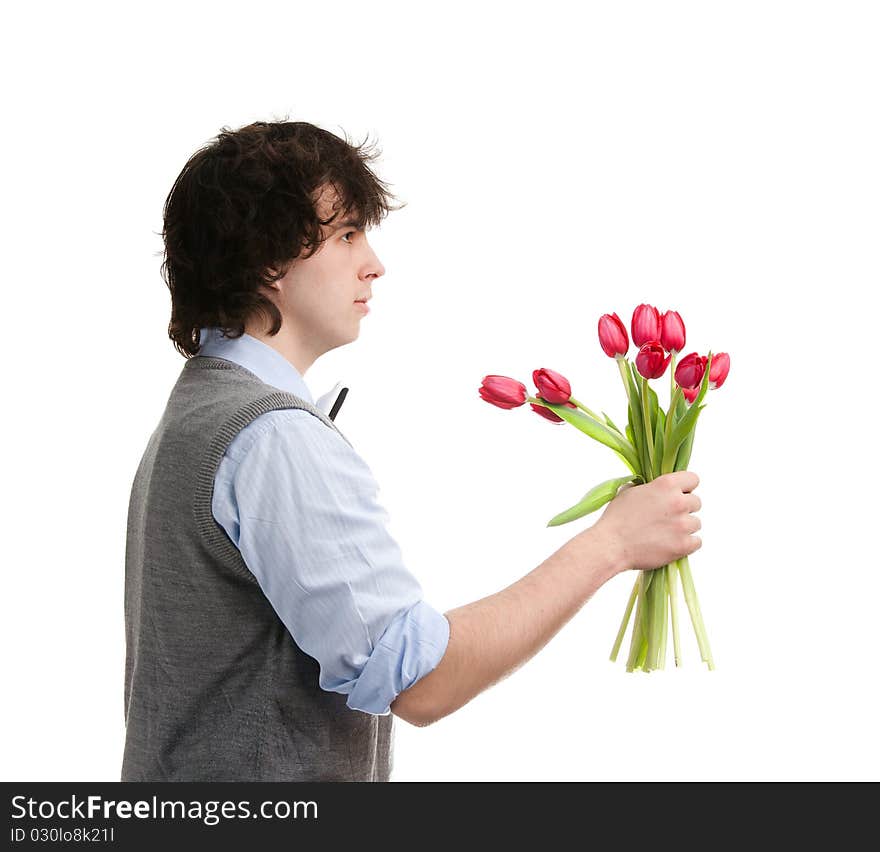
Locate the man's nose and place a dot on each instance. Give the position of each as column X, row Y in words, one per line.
column 374, row 266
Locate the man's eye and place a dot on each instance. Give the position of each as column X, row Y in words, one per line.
column 349, row 234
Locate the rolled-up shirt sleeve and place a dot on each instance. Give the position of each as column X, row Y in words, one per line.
column 302, row 507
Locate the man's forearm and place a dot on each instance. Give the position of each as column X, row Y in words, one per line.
column 492, row 637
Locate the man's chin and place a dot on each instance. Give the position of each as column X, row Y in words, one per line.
column 343, row 341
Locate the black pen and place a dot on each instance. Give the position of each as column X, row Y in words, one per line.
column 338, row 404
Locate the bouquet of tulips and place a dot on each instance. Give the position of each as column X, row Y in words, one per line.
column 655, row 442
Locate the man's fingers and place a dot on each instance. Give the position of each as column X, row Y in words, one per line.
column 686, row 480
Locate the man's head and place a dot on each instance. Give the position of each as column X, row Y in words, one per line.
column 256, row 238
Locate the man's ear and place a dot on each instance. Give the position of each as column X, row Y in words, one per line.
column 273, row 285
column 281, row 272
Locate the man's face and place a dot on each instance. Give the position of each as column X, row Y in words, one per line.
column 317, row 297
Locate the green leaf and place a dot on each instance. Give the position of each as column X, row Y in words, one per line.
column 634, row 442
column 677, row 412
column 620, row 455
column 636, row 420
column 680, row 408
column 635, row 402
column 594, row 499
column 684, row 453
column 653, row 403
column 685, row 426
column 626, row 461
column 596, row 430
column 658, row 441
column 610, row 422
column 629, row 432
column 704, row 385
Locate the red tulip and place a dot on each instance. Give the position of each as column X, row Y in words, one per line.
column 652, row 361
column 552, row 386
column 689, row 372
column 546, row 412
column 690, row 394
column 719, row 369
column 613, row 336
column 645, row 324
column 672, row 334
column 503, row 391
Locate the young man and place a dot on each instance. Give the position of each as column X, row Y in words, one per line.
column 272, row 629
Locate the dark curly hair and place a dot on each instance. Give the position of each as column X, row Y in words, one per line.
column 244, row 204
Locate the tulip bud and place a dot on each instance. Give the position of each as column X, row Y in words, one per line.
column 652, row 361
column 690, row 394
column 689, row 372
column 719, row 370
column 503, row 391
column 612, row 336
column 672, row 334
column 645, row 325
column 552, row 386
column 552, row 416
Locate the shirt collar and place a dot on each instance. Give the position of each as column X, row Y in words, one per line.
column 269, row 365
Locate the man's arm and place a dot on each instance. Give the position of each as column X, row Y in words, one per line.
column 490, row 638
column 642, row 527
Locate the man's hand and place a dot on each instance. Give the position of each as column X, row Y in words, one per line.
column 651, row 525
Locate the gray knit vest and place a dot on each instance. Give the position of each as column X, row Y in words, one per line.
column 215, row 687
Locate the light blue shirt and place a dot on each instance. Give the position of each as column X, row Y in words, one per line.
column 301, row 505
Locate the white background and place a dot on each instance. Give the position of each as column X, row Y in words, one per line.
column 559, row 161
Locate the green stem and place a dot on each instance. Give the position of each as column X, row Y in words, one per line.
column 637, row 642
column 673, row 610
column 672, row 380
column 642, row 656
column 690, row 597
column 687, row 584
column 649, row 632
column 657, row 617
column 623, row 624
column 624, row 372
column 646, row 422
column 592, row 414
column 662, row 661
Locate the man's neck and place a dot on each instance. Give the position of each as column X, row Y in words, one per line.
column 286, row 344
